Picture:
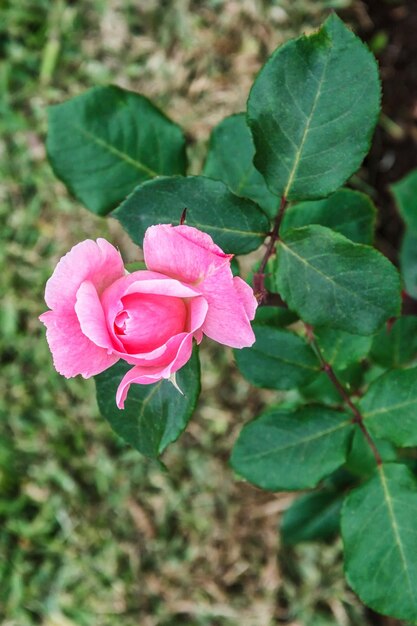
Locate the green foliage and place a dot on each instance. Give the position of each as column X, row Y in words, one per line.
column 331, row 281
column 154, row 415
column 314, row 516
column 347, row 212
column 380, row 541
column 361, row 460
column 389, row 407
column 230, row 159
column 274, row 316
column 312, row 111
column 108, row 140
column 323, row 390
column 405, row 194
column 408, row 262
column 341, row 349
column 396, row 345
column 236, row 224
column 279, row 359
column 285, row 451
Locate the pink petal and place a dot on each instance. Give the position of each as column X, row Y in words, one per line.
column 141, row 281
column 148, row 375
column 96, row 261
column 73, row 353
column 198, row 313
column 231, row 307
column 247, row 296
column 166, row 354
column 91, row 316
column 182, row 252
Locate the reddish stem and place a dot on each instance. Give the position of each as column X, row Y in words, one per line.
column 330, row 373
column 261, row 293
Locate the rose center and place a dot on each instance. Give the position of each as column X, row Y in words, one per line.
column 147, row 321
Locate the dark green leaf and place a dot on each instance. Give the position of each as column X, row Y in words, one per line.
column 279, row 359
column 282, row 450
column 405, row 194
column 154, row 415
column 390, row 407
column 312, row 111
column 341, row 349
column 331, row 281
column 322, row 389
column 348, row 212
column 230, row 159
column 312, row 517
column 361, row 460
column 408, row 262
column 108, row 140
column 274, row 316
column 236, row 224
column 380, row 540
column 396, row 346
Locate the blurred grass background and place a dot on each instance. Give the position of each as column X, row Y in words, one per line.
column 91, row 533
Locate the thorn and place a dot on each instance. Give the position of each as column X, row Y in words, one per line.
column 172, row 379
column 183, row 216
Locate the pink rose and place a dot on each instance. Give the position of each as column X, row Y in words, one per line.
column 100, row 314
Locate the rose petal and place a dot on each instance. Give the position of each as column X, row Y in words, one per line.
column 198, row 313
column 182, row 252
column 231, row 307
column 148, row 375
column 91, row 316
column 142, row 281
column 96, row 261
column 246, row 295
column 73, row 353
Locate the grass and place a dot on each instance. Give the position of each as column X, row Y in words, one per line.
column 92, row 533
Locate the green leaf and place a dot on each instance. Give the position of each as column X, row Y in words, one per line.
column 283, row 451
column 154, row 415
column 341, row 349
column 405, row 194
column 230, row 159
column 347, row 212
column 390, row 407
column 279, row 359
column 108, row 140
column 361, row 460
column 236, row 224
column 313, row 517
column 322, row 389
column 312, row 111
column 396, row 346
column 274, row 316
column 380, row 541
column 333, row 282
column 408, row 262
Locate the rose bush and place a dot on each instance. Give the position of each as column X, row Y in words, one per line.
column 100, row 313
